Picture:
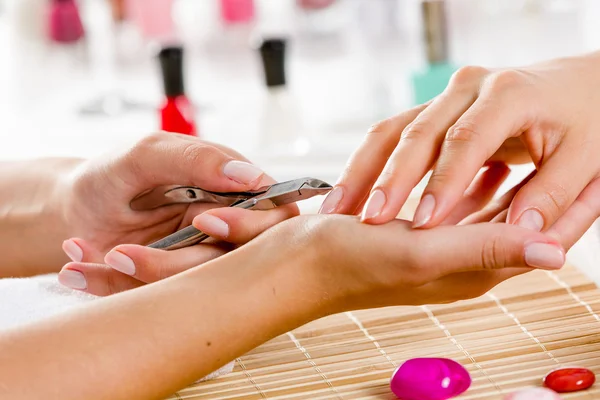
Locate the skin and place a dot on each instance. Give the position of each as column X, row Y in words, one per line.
column 546, row 113
column 303, row 268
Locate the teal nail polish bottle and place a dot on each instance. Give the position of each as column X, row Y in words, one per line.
column 432, row 80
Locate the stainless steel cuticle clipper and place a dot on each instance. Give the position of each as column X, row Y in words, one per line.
column 264, row 198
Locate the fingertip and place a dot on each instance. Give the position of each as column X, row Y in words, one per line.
column 121, row 262
column 72, row 278
column 332, row 200
column 211, row 224
column 73, row 250
column 424, row 212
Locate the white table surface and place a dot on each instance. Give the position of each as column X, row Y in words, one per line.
column 341, row 83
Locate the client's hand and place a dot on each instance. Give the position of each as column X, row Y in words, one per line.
column 99, row 215
column 340, row 245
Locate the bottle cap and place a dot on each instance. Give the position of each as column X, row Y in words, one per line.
column 435, row 30
column 272, row 53
column 171, row 64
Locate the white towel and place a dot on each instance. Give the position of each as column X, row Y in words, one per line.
column 25, row 300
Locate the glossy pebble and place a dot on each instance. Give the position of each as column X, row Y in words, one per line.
column 429, row 379
column 569, row 379
column 534, row 394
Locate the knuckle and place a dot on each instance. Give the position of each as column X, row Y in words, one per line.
column 504, row 80
column 380, row 128
column 555, row 199
column 467, row 75
column 415, row 130
column 111, row 284
column 462, row 132
column 493, row 254
column 197, row 154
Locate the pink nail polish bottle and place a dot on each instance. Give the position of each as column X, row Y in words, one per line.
column 64, row 22
column 237, row 11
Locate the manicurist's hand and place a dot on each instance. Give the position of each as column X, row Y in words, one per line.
column 98, row 213
column 546, row 113
column 478, row 255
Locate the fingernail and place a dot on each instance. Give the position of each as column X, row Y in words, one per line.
column 332, row 200
column 212, row 225
column 242, row 172
column 544, row 256
column 374, row 205
column 120, row 262
column 72, row 279
column 536, row 393
column 531, row 219
column 424, row 211
column 72, row 250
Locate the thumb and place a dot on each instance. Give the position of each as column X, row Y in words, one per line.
column 486, row 246
column 167, row 159
column 548, row 195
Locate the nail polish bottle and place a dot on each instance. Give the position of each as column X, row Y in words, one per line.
column 177, row 112
column 281, row 131
column 432, row 81
column 64, row 21
column 237, row 11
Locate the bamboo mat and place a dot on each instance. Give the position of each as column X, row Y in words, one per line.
column 507, row 339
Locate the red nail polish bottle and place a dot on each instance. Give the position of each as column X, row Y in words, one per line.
column 177, row 112
column 64, row 22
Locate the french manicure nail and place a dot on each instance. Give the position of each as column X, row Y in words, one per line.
column 120, row 262
column 72, row 279
column 242, row 172
column 374, row 205
column 531, row 219
column 332, row 200
column 72, row 250
column 212, row 225
column 424, row 211
column 544, row 256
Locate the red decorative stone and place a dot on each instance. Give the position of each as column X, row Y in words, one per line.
column 569, row 379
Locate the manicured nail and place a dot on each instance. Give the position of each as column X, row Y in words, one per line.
column 212, row 225
column 374, row 205
column 72, row 250
column 424, row 211
column 72, row 279
column 242, row 172
column 120, row 262
column 332, row 200
column 544, row 256
column 536, row 393
column 531, row 219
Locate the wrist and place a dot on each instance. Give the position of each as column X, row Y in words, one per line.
column 31, row 209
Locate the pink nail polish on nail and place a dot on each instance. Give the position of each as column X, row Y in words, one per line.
column 374, row 205
column 332, row 200
column 72, row 279
column 242, row 172
column 120, row 262
column 72, row 249
column 544, row 256
column 424, row 211
column 212, row 225
column 531, row 219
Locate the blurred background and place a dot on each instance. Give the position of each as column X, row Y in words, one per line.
column 292, row 84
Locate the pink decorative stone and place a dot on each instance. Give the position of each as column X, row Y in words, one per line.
column 429, row 379
column 570, row 379
column 534, row 394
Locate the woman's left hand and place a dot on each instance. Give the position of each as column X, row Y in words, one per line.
column 98, row 213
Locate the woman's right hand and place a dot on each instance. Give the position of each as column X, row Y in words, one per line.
column 546, row 113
